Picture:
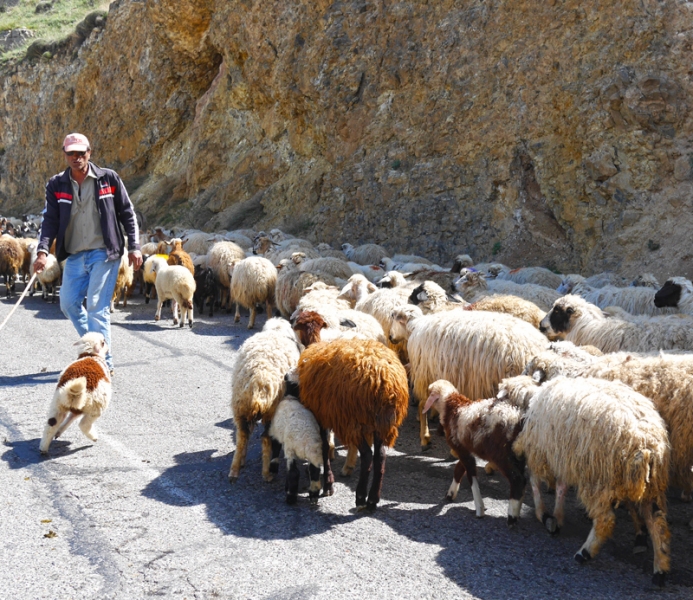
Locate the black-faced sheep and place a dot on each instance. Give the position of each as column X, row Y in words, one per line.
column 257, row 385
column 676, row 293
column 608, row 442
column 574, row 319
column 483, row 428
column 431, row 298
column 206, row 289
column 474, row 350
column 84, row 389
column 359, row 389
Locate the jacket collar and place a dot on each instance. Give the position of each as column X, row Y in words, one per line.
column 98, row 171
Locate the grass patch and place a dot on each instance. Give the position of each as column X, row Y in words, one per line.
column 53, row 23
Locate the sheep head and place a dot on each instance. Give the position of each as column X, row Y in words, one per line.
column 307, row 326
column 92, row 344
column 401, row 319
column 438, row 391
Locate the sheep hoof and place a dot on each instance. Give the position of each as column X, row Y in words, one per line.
column 190, row 323
column 269, row 477
column 425, row 447
column 182, row 324
column 346, row 472
column 236, row 319
column 583, row 556
column 371, row 506
column 175, row 321
column 274, row 467
column 512, row 521
column 157, row 317
column 488, row 469
column 329, row 490
column 449, row 497
column 551, row 524
column 659, row 579
column 313, row 498
column 640, row 545
column 233, row 477
column 291, row 498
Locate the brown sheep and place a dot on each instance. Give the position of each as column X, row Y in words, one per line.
column 359, row 389
column 11, row 261
column 178, row 256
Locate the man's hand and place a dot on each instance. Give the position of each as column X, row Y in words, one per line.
column 40, row 262
column 135, row 259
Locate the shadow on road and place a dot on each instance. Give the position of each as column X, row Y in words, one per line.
column 200, row 478
column 24, row 453
column 29, row 379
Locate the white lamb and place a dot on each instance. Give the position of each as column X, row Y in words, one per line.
column 367, row 254
column 222, row 256
column 297, row 430
column 176, row 283
column 51, row 274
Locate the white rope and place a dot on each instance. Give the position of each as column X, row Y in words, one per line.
column 27, row 287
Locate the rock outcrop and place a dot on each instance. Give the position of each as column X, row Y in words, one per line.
column 555, row 133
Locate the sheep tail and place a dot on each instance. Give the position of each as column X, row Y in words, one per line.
column 75, row 393
column 638, row 472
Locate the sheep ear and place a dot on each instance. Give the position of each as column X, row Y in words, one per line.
column 430, row 402
column 77, row 343
column 502, row 394
column 371, row 287
column 539, row 376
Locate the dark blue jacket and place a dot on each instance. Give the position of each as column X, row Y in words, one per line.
column 114, row 206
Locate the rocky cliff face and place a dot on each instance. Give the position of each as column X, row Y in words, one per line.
column 555, row 133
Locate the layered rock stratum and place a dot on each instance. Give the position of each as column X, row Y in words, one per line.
column 554, row 133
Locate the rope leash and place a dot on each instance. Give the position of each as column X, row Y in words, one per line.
column 27, row 287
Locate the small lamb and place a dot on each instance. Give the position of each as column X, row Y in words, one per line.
column 84, row 388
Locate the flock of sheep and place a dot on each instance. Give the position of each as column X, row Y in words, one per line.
column 576, row 382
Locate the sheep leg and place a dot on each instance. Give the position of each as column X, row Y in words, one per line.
column 458, row 473
column 237, row 317
column 66, row 423
column 639, row 524
column 539, row 508
column 276, row 449
column 602, row 529
column 470, row 466
column 366, row 461
column 253, row 314
column 514, row 472
column 87, row 427
column 292, row 477
column 159, row 304
column 379, row 457
column 350, row 462
column 656, row 522
column 268, row 308
column 554, row 523
column 330, row 441
column 314, row 490
column 267, row 472
column 243, row 432
column 174, row 311
column 54, row 421
column 424, row 433
column 328, row 476
column 147, row 292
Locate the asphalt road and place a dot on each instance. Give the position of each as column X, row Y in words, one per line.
column 148, row 510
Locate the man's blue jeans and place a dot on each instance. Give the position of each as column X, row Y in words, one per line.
column 88, row 275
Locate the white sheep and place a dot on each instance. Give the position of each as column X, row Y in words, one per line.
column 473, row 286
column 257, row 385
column 367, row 254
column 389, row 264
column 291, row 284
column 149, row 269
column 635, row 300
column 319, row 294
column 574, row 319
column 331, row 266
column 51, row 274
column 297, row 430
column 220, row 258
column 512, row 305
column 608, row 442
column 174, row 282
column 666, row 380
column 536, row 275
column 254, row 281
column 474, row 350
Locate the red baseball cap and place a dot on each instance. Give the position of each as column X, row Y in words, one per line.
column 76, row 141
